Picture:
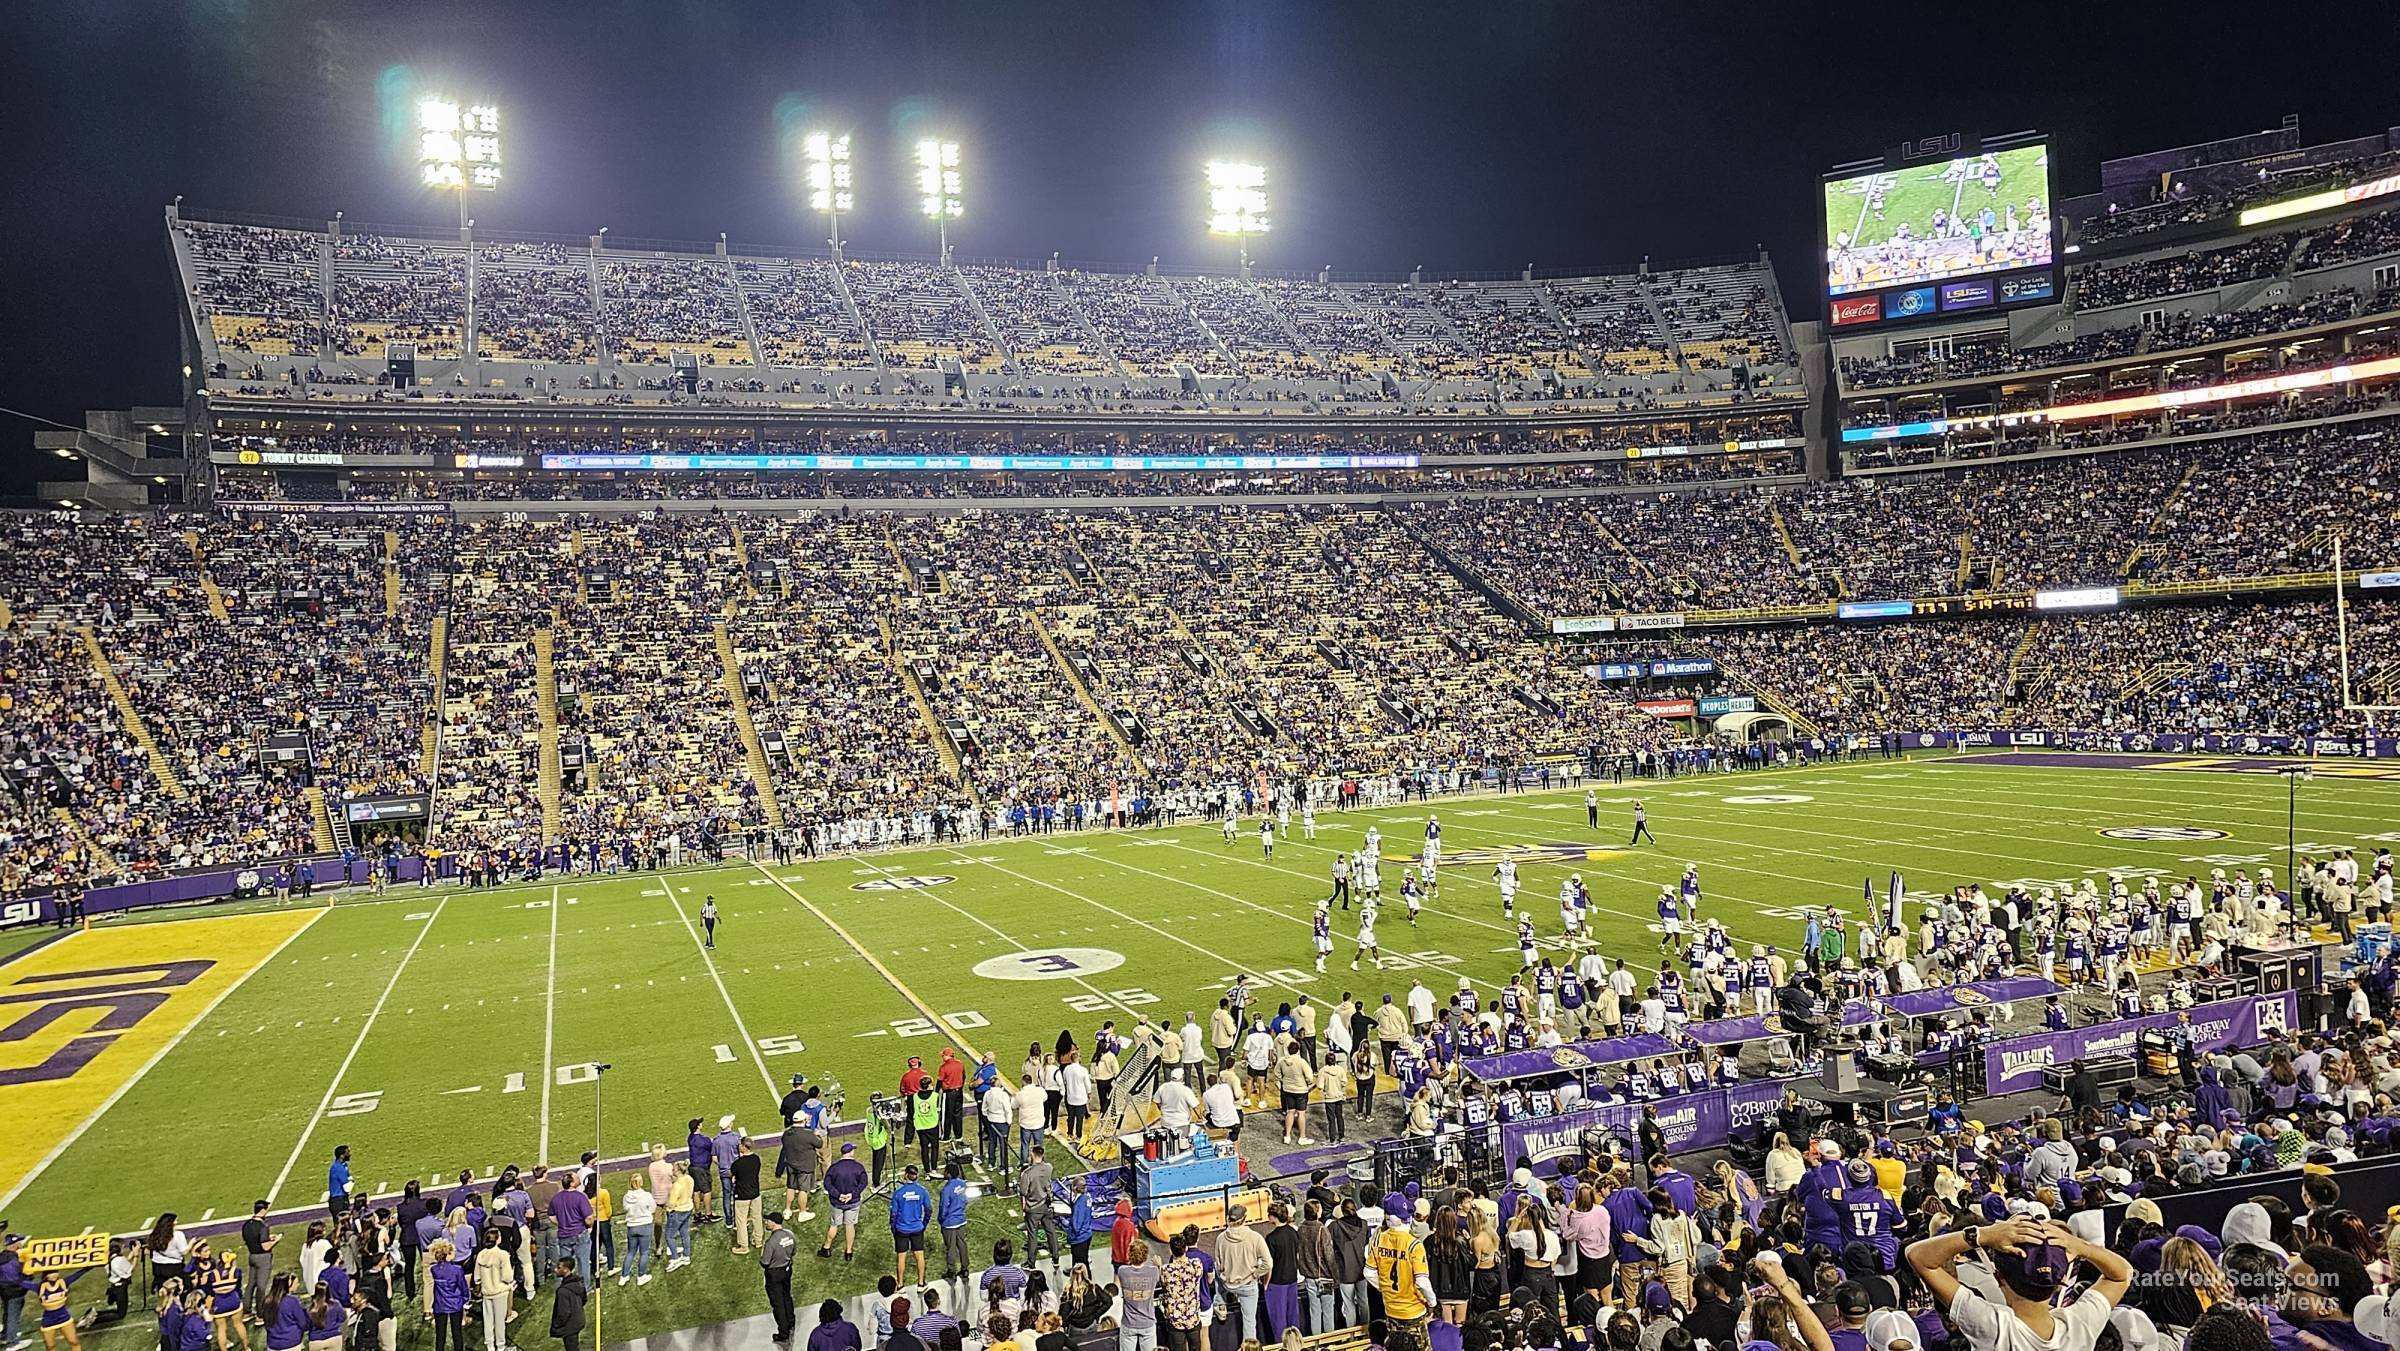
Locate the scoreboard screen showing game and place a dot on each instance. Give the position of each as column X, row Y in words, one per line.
column 1973, row 231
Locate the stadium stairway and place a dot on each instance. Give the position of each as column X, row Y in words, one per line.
column 73, row 829
column 438, row 657
column 1619, row 545
column 942, row 743
column 1658, row 317
column 391, row 574
column 1966, row 561
column 1083, row 692
column 545, row 672
column 858, row 319
column 127, row 714
column 2016, row 662
column 762, row 772
column 1099, row 340
column 320, row 819
column 208, row 586
column 1783, row 536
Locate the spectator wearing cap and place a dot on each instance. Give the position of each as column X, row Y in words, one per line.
column 796, row 1164
column 1852, row 1306
column 2031, row 1259
column 723, row 1148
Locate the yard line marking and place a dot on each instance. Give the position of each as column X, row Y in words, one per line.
column 1005, row 937
column 364, row 1028
column 541, row 1150
column 738, row 1026
column 869, row 957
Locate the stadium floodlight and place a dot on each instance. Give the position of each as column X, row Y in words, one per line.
column 938, row 186
column 1237, row 202
column 458, row 147
column 828, row 176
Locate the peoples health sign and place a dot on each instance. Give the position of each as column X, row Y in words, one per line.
column 2012, row 1066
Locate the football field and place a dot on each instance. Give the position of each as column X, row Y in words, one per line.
column 196, row 1063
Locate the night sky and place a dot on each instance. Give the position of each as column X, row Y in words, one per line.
column 1475, row 135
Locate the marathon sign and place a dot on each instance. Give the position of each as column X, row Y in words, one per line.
column 1680, row 666
column 2012, row 1066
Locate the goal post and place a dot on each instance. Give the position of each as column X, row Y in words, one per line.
column 2390, row 673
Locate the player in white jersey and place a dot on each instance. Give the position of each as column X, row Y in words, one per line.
column 1321, row 932
column 1266, row 837
column 1233, row 823
column 1570, row 919
column 1366, row 936
column 1506, row 876
column 1375, row 841
column 1429, row 877
column 1283, row 816
column 1308, row 821
column 1370, row 876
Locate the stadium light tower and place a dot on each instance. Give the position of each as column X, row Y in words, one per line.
column 938, row 187
column 828, row 173
column 1237, row 203
column 458, row 148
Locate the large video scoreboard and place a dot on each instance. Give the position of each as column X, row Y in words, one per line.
column 1941, row 236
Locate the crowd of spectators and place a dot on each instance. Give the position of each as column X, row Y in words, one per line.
column 1045, row 335
column 533, row 302
column 796, row 306
column 1987, row 358
column 262, row 291
column 920, row 316
column 1144, row 321
column 398, row 290
column 2184, row 203
column 654, row 306
column 2099, row 285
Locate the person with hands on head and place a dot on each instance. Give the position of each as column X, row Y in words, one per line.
column 2031, row 1258
column 1767, row 1266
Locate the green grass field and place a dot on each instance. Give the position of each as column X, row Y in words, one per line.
column 437, row 1030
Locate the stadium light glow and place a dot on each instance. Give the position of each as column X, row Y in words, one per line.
column 458, row 147
column 828, row 173
column 938, row 179
column 1237, row 198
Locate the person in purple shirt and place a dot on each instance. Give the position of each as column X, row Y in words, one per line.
column 571, row 1213
column 1676, row 1183
column 1628, row 1217
column 833, row 1332
column 192, row 1334
column 704, row 1173
column 723, row 1150
column 451, row 1292
column 287, row 1317
column 336, row 1277
column 929, row 1324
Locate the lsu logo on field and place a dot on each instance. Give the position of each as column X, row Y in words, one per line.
column 2164, row 834
column 1490, row 855
column 902, row 883
column 82, row 1018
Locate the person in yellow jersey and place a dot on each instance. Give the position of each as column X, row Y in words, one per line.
column 1402, row 1276
column 1891, row 1175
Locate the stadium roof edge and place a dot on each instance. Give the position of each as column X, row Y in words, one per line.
column 436, row 233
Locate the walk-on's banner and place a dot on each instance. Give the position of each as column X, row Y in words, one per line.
column 2012, row 1066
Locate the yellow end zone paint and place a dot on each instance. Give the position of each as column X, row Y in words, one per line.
column 82, row 1020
